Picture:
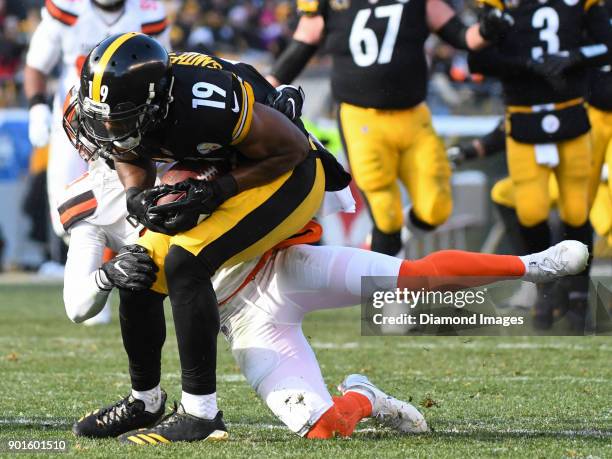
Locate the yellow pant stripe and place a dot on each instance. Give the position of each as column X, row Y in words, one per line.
column 104, row 60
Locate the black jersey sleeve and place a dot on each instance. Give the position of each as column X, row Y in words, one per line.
column 598, row 23
column 492, row 62
column 223, row 105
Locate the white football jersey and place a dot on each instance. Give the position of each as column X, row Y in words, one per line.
column 71, row 28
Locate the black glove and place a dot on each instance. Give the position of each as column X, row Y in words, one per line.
column 201, row 200
column 288, row 100
column 457, row 154
column 553, row 68
column 494, row 24
column 132, row 269
column 140, row 201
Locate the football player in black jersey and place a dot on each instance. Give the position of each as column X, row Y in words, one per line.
column 137, row 105
column 543, row 68
column 379, row 77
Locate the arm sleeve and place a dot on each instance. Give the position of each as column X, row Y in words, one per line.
column 493, row 63
column 84, row 295
column 453, row 32
column 46, row 44
column 600, row 30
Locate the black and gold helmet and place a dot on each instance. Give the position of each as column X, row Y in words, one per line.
column 125, row 90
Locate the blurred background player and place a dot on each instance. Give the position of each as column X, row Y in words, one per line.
column 68, row 31
column 543, row 70
column 379, row 77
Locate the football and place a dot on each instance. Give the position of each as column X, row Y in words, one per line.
column 199, row 170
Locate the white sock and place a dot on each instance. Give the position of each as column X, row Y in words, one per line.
column 152, row 398
column 200, row 406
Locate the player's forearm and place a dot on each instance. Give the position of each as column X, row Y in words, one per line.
column 264, row 171
column 34, row 84
column 299, row 51
column 274, row 144
column 473, row 39
column 86, row 289
column 139, row 174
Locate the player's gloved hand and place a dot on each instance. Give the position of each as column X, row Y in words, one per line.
column 288, row 100
column 139, row 202
column 552, row 68
column 465, row 151
column 494, row 24
column 201, row 200
column 131, row 269
column 39, row 124
column 555, row 65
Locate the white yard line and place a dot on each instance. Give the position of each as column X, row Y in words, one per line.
column 571, row 433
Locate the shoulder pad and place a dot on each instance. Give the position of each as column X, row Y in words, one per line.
column 78, row 203
column 65, row 11
column 153, row 14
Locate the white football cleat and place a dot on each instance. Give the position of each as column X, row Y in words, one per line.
column 387, row 410
column 562, row 259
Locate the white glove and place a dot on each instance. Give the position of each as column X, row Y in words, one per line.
column 39, row 129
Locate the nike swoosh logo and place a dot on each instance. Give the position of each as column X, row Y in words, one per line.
column 236, row 107
column 120, row 269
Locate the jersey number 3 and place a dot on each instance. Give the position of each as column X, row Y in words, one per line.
column 363, row 42
column 204, row 95
column 546, row 20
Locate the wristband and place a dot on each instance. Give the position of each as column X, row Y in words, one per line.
column 36, row 99
column 453, row 32
column 226, row 186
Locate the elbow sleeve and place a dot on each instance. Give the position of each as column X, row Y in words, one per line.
column 453, row 32
column 292, row 61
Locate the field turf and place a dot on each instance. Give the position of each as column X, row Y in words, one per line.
column 483, row 397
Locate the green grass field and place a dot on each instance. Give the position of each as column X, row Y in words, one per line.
column 483, row 397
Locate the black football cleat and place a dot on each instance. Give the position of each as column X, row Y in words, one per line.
column 179, row 426
column 125, row 415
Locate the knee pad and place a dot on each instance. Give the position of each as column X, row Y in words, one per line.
column 297, row 404
column 386, row 208
column 502, row 193
column 434, row 211
column 532, row 213
column 574, row 213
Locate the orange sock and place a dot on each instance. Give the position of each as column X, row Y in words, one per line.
column 341, row 418
column 448, row 267
column 108, row 255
